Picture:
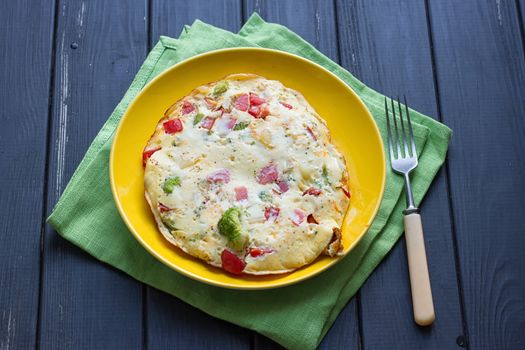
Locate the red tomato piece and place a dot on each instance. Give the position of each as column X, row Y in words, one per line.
column 268, row 174
column 163, row 208
column 298, row 217
column 286, row 105
column 241, row 193
column 271, row 213
column 147, row 154
column 256, row 100
column 221, row 175
column 242, row 102
column 312, row 191
column 173, row 126
column 283, row 186
column 345, row 191
column 187, row 108
column 207, row 123
column 255, row 111
column 255, row 252
column 232, row 263
column 311, row 220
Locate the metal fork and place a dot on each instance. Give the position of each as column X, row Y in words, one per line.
column 403, row 159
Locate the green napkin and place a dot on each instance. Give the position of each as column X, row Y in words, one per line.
column 297, row 316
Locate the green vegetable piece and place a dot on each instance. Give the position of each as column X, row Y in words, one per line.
column 265, row 196
column 170, row 183
column 220, row 88
column 230, row 226
column 241, row 126
column 169, row 223
column 198, row 118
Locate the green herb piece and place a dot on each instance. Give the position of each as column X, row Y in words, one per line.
column 220, row 88
column 198, row 118
column 169, row 223
column 265, row 196
column 230, row 226
column 170, row 183
column 241, row 126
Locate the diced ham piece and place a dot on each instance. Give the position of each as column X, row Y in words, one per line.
column 256, row 100
column 147, row 155
column 242, row 102
column 173, row 126
column 268, row 174
column 298, row 217
column 187, row 108
column 207, row 123
column 312, row 191
column 163, row 208
column 241, row 193
column 271, row 213
column 286, row 105
column 283, row 185
column 221, row 175
column 255, row 252
column 231, row 123
column 232, row 263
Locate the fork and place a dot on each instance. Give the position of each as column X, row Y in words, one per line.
column 403, row 159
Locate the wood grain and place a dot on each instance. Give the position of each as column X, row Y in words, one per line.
column 171, row 322
column 100, row 46
column 481, row 75
column 26, row 32
column 314, row 20
column 386, row 45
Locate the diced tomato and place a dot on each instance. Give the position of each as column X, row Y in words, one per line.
column 310, row 131
column 173, row 126
column 271, row 213
column 207, row 123
column 312, row 191
column 163, row 208
column 232, row 263
column 298, row 217
column 210, row 102
column 283, row 186
column 255, row 111
column 147, row 154
column 242, row 102
column 286, row 105
column 221, row 175
column 256, row 100
column 241, row 193
column 311, row 220
column 255, row 252
column 345, row 191
column 268, row 174
column 187, row 108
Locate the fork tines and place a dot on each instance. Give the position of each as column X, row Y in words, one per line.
column 402, row 137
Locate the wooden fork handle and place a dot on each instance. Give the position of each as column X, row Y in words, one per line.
column 417, row 264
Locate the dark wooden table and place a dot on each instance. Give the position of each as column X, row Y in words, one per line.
column 66, row 64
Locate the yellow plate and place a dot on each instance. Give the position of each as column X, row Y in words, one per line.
column 353, row 131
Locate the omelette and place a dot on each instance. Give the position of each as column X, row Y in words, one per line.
column 242, row 174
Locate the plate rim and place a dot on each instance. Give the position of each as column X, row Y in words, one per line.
column 272, row 284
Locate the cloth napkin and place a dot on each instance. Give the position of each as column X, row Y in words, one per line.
column 296, row 316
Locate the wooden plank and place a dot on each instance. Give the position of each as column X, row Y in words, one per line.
column 387, row 47
column 171, row 322
column 481, row 74
column 169, row 17
column 100, row 46
column 26, row 30
column 315, row 22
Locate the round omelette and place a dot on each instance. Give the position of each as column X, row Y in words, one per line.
column 241, row 173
